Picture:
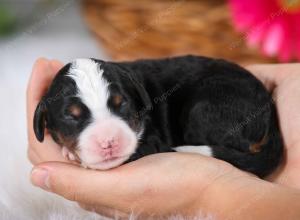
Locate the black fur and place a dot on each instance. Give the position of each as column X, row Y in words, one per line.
column 187, row 100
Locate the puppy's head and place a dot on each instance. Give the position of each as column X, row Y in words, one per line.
column 91, row 109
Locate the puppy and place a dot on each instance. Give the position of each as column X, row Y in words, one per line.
column 104, row 114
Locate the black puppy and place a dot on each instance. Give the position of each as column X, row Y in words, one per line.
column 104, row 114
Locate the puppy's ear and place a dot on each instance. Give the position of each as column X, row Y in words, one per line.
column 39, row 120
column 143, row 94
column 134, row 81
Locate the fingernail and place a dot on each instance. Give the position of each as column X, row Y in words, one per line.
column 40, row 178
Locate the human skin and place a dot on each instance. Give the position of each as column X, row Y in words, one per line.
column 169, row 183
column 284, row 82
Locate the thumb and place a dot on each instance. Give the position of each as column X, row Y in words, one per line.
column 79, row 184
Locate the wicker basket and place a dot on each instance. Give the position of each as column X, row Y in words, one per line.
column 132, row 29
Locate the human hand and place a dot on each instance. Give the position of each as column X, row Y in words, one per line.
column 156, row 185
column 284, row 81
column 98, row 193
column 42, row 74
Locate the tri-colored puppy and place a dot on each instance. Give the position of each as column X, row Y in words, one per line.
column 104, row 114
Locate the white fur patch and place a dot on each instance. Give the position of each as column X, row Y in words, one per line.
column 92, row 87
column 204, row 150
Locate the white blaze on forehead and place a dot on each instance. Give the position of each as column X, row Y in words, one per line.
column 92, row 87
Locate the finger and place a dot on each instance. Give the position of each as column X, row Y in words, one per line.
column 46, row 151
column 264, row 76
column 33, row 156
column 39, row 80
column 126, row 188
column 101, row 188
column 56, row 65
column 273, row 74
column 42, row 75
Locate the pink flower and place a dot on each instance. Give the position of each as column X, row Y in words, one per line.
column 271, row 25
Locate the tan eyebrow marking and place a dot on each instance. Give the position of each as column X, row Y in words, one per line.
column 75, row 110
column 257, row 147
column 117, row 99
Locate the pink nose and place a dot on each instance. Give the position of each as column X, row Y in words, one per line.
column 107, row 147
column 107, row 144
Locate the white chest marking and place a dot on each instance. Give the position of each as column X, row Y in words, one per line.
column 204, row 150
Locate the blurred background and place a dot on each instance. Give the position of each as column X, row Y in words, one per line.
column 243, row 31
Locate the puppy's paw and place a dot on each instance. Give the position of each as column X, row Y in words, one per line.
column 67, row 154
